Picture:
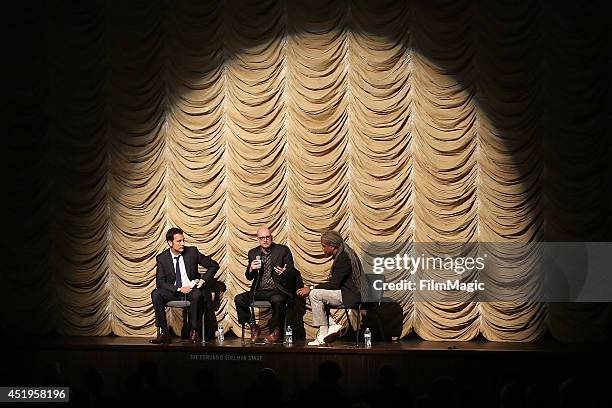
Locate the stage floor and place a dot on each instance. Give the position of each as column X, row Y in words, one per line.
column 342, row 346
column 478, row 365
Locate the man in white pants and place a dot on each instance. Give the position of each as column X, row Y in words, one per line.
column 342, row 287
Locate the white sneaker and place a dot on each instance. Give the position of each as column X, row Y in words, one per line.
column 318, row 341
column 333, row 333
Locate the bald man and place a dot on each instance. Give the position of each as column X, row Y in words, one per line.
column 270, row 267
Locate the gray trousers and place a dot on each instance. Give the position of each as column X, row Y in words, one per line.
column 318, row 299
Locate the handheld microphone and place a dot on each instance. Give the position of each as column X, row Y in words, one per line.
column 254, row 289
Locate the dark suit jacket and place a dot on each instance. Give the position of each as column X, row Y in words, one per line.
column 165, row 276
column 341, row 278
column 279, row 256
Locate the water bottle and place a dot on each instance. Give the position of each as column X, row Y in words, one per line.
column 220, row 337
column 367, row 337
column 289, row 336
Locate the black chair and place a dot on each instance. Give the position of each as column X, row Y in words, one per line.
column 357, row 307
column 374, row 298
column 185, row 305
column 265, row 304
column 216, row 288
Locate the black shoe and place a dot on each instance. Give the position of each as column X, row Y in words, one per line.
column 162, row 337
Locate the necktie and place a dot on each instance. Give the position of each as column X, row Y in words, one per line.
column 179, row 282
column 268, row 264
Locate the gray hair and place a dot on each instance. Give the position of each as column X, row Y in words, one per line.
column 334, row 239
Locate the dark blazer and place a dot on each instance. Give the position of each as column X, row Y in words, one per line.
column 341, row 278
column 279, row 256
column 165, row 276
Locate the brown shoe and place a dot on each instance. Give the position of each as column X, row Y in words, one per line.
column 194, row 337
column 255, row 330
column 273, row 337
column 162, row 337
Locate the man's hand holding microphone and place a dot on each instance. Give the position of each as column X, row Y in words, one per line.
column 255, row 264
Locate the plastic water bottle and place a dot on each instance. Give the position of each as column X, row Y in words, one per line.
column 289, row 336
column 367, row 337
column 220, row 337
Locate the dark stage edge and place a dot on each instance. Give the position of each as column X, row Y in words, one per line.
column 479, row 366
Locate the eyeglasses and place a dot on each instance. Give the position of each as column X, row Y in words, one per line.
column 264, row 238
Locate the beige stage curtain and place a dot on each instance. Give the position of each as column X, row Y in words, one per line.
column 388, row 121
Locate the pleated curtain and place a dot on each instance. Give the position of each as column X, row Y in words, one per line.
column 389, row 121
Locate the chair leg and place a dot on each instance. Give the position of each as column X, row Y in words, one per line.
column 204, row 324
column 186, row 323
column 348, row 317
column 358, row 325
column 242, row 336
column 252, row 318
column 380, row 326
column 285, row 321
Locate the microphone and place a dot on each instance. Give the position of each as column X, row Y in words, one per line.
column 254, row 289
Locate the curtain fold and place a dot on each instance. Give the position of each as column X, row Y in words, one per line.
column 391, row 122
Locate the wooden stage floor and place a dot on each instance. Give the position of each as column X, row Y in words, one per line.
column 342, row 346
column 479, row 364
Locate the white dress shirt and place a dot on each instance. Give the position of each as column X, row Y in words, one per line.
column 184, row 278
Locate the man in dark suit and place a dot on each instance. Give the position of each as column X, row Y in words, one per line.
column 177, row 278
column 270, row 267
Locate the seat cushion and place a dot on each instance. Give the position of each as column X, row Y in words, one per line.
column 261, row 304
column 178, row 303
